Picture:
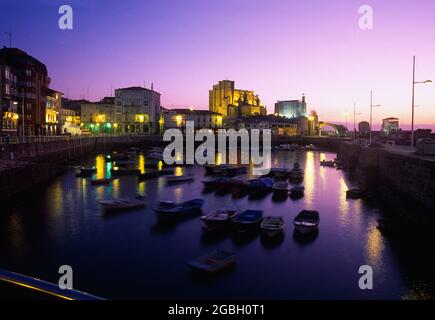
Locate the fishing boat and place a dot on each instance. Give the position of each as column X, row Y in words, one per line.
column 354, row 193
column 306, row 221
column 122, row 203
column 219, row 218
column 259, row 187
column 248, row 219
column 97, row 182
column 149, row 174
column 327, row 163
column 272, row 226
column 172, row 209
column 213, row 262
column 296, row 173
column 214, row 183
column 116, row 171
column 280, row 188
column 85, row 171
column 177, row 179
column 297, row 192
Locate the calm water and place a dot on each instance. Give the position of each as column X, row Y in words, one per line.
column 131, row 255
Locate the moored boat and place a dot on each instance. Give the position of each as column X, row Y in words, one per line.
column 297, row 192
column 280, row 187
column 122, row 203
column 219, row 218
column 181, row 178
column 296, row 173
column 327, row 163
column 214, row 262
column 149, row 174
column 272, row 226
column 306, row 221
column 354, row 193
column 247, row 219
column 117, row 156
column 85, row 171
column 173, row 209
column 261, row 186
column 116, row 171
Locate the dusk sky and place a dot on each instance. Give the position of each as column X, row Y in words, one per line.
column 278, row 48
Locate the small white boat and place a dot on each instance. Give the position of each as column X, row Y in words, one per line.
column 306, row 221
column 182, row 178
column 272, row 226
column 214, row 262
column 122, row 203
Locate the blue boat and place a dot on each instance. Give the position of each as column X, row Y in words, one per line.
column 261, row 186
column 248, row 219
column 172, row 209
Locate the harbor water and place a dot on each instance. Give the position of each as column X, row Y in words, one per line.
column 134, row 255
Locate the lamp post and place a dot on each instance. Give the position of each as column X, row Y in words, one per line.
column 413, row 99
column 371, row 114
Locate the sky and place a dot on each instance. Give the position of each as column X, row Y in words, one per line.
column 278, row 48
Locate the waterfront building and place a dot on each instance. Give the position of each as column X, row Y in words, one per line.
column 101, row 117
column 291, row 108
column 313, row 124
column 140, row 109
column 364, row 128
column 24, row 86
column 53, row 109
column 277, row 125
column 228, row 101
column 70, row 121
column 390, row 125
column 203, row 119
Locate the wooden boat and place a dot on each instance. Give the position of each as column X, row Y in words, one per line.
column 247, row 219
column 178, row 179
column 306, row 221
column 325, row 163
column 97, row 182
column 272, row 226
column 297, row 192
column 219, row 218
column 122, row 203
column 85, row 171
column 280, row 187
column 355, row 193
column 296, row 174
column 172, row 209
column 213, row 262
column 124, row 171
column 149, row 174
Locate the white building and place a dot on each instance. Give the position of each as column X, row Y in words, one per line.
column 203, row 119
column 143, row 106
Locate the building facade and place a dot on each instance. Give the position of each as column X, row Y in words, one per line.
column 203, row 119
column 140, row 109
column 228, row 101
column 291, row 108
column 277, row 125
column 390, row 125
column 53, row 109
column 70, row 122
column 100, row 117
column 24, row 87
column 364, row 128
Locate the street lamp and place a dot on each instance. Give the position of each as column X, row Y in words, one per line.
column 413, row 99
column 371, row 114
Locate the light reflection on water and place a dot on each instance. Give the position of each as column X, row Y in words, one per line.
column 64, row 225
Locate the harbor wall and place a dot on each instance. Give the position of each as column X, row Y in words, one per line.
column 404, row 182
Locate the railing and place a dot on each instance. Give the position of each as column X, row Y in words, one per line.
column 44, row 287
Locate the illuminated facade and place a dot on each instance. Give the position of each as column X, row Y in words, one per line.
column 277, row 125
column 390, row 125
column 230, row 102
column 139, row 108
column 291, row 108
column 100, row 118
column 70, row 121
column 203, row 119
column 53, row 108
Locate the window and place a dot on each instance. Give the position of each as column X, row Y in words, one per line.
column 29, row 73
column 28, row 117
column 28, row 106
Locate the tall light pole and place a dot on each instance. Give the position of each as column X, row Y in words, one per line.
column 371, row 114
column 354, row 120
column 413, row 99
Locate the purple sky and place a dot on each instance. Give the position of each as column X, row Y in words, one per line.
column 279, row 48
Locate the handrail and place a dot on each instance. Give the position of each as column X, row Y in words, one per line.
column 44, row 286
